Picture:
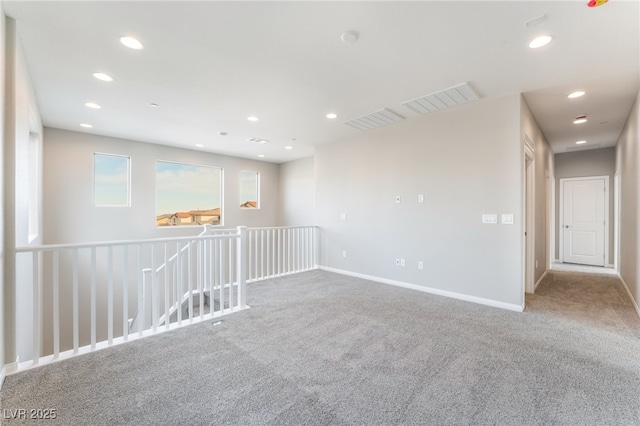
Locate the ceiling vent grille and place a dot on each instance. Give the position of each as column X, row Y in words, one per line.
column 375, row 119
column 447, row 98
column 583, row 147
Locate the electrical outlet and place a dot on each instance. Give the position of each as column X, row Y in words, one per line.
column 344, row 253
column 402, row 263
column 397, row 262
column 421, row 265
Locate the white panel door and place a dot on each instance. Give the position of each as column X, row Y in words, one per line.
column 584, row 221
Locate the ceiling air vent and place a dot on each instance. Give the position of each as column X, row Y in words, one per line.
column 447, row 98
column 375, row 119
column 583, row 147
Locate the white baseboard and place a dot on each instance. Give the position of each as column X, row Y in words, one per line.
column 451, row 294
column 635, row 303
column 535, row 286
column 7, row 370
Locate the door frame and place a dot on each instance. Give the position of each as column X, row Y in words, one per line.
column 606, row 215
column 616, row 222
column 529, row 163
column 551, row 258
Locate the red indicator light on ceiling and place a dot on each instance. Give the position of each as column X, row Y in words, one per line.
column 596, row 3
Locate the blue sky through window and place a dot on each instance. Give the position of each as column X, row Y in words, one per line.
column 111, row 180
column 248, row 187
column 185, row 187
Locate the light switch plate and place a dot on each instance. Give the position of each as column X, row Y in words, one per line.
column 491, row 218
column 421, row 198
column 507, row 219
column 343, row 216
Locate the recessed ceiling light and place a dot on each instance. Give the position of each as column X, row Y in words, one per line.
column 331, row 115
column 575, row 94
column 199, row 145
column 223, row 133
column 252, row 118
column 92, row 105
column 261, row 155
column 131, row 43
column 581, row 142
column 540, row 41
column 580, row 119
column 86, row 126
column 288, row 147
column 154, row 105
column 349, row 36
column 102, row 76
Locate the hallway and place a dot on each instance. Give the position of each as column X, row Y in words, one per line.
column 591, row 299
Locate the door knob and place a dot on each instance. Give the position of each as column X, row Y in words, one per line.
column 566, row 226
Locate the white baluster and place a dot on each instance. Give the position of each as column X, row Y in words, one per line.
column 37, row 306
column 76, row 319
column 93, row 306
column 110, row 295
column 240, row 272
column 56, row 304
column 125, row 293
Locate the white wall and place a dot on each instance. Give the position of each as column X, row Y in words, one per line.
column 628, row 170
column 68, row 189
column 466, row 162
column 21, row 119
column 593, row 162
column 544, row 165
column 3, row 334
column 28, row 177
column 297, row 190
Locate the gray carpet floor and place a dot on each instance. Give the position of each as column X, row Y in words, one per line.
column 324, row 349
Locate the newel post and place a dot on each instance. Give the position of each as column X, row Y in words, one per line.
column 242, row 266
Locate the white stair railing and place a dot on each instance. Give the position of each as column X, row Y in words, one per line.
column 280, row 251
column 196, row 262
column 83, row 295
column 93, row 295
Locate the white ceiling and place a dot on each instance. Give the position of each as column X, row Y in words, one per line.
column 209, row 65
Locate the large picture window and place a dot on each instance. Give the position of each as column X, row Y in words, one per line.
column 111, row 180
column 188, row 195
column 249, row 190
